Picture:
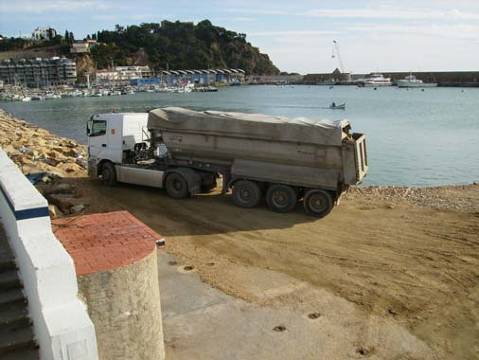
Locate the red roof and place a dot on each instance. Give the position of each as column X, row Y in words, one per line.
column 105, row 241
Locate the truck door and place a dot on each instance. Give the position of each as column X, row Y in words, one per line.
column 97, row 139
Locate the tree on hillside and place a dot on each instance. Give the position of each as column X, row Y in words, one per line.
column 181, row 45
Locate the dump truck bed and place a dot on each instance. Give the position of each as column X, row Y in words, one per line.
column 252, row 126
column 300, row 151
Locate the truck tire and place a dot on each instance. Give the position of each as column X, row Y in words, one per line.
column 176, row 186
column 281, row 198
column 246, row 194
column 318, row 203
column 108, row 174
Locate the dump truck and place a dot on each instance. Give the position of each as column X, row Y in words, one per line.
column 258, row 158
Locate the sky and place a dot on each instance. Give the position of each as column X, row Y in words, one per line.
column 372, row 35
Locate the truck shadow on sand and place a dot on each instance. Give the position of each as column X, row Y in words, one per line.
column 203, row 214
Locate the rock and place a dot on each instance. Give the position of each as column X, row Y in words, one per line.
column 71, row 153
column 63, row 201
column 25, row 150
column 77, row 208
column 81, row 162
column 54, row 211
column 51, row 162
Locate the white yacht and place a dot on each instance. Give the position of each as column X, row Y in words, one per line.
column 375, row 80
column 411, row 81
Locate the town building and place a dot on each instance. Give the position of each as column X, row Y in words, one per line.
column 82, row 47
column 38, row 72
column 43, row 33
column 123, row 74
column 202, row 77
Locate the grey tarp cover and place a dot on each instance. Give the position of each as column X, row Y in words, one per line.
column 257, row 126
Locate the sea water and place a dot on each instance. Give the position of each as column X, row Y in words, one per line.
column 415, row 137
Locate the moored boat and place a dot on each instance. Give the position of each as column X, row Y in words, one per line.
column 375, row 80
column 411, row 81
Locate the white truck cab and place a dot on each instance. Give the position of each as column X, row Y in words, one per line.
column 109, row 135
column 112, row 137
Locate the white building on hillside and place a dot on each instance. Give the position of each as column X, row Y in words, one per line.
column 43, row 33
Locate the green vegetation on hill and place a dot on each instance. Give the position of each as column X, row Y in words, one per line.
column 179, row 45
column 169, row 45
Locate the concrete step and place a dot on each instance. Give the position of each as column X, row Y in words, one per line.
column 16, row 340
column 7, row 263
column 14, row 315
column 9, row 280
column 12, row 296
column 22, row 354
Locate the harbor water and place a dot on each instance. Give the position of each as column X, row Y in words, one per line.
column 415, row 137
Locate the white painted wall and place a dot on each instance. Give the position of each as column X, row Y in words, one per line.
column 62, row 327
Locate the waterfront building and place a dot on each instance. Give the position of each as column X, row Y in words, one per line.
column 202, row 77
column 38, row 72
column 123, row 74
column 43, row 33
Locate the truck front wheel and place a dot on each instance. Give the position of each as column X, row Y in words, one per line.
column 176, row 186
column 108, row 174
column 281, row 198
column 318, row 203
column 246, row 194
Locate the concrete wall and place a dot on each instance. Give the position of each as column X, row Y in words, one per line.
column 124, row 304
column 62, row 327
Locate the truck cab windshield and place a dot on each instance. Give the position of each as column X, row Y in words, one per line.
column 96, row 127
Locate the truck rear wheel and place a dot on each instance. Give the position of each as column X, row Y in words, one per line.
column 176, row 186
column 246, row 194
column 318, row 203
column 281, row 198
column 108, row 174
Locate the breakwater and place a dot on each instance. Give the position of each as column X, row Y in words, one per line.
column 442, row 78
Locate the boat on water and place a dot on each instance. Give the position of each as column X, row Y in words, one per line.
column 205, row 89
column 335, row 106
column 411, row 81
column 375, row 80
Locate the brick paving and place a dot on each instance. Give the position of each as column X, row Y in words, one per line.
column 105, row 241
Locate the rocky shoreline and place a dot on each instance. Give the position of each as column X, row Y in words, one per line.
column 37, row 151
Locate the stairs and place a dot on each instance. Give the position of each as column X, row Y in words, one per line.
column 16, row 333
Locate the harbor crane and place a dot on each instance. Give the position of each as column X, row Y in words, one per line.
column 337, row 54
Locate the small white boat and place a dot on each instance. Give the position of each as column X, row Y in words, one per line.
column 26, row 99
column 50, row 96
column 411, row 81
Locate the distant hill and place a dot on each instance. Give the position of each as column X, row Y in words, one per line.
column 180, row 45
column 168, row 45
